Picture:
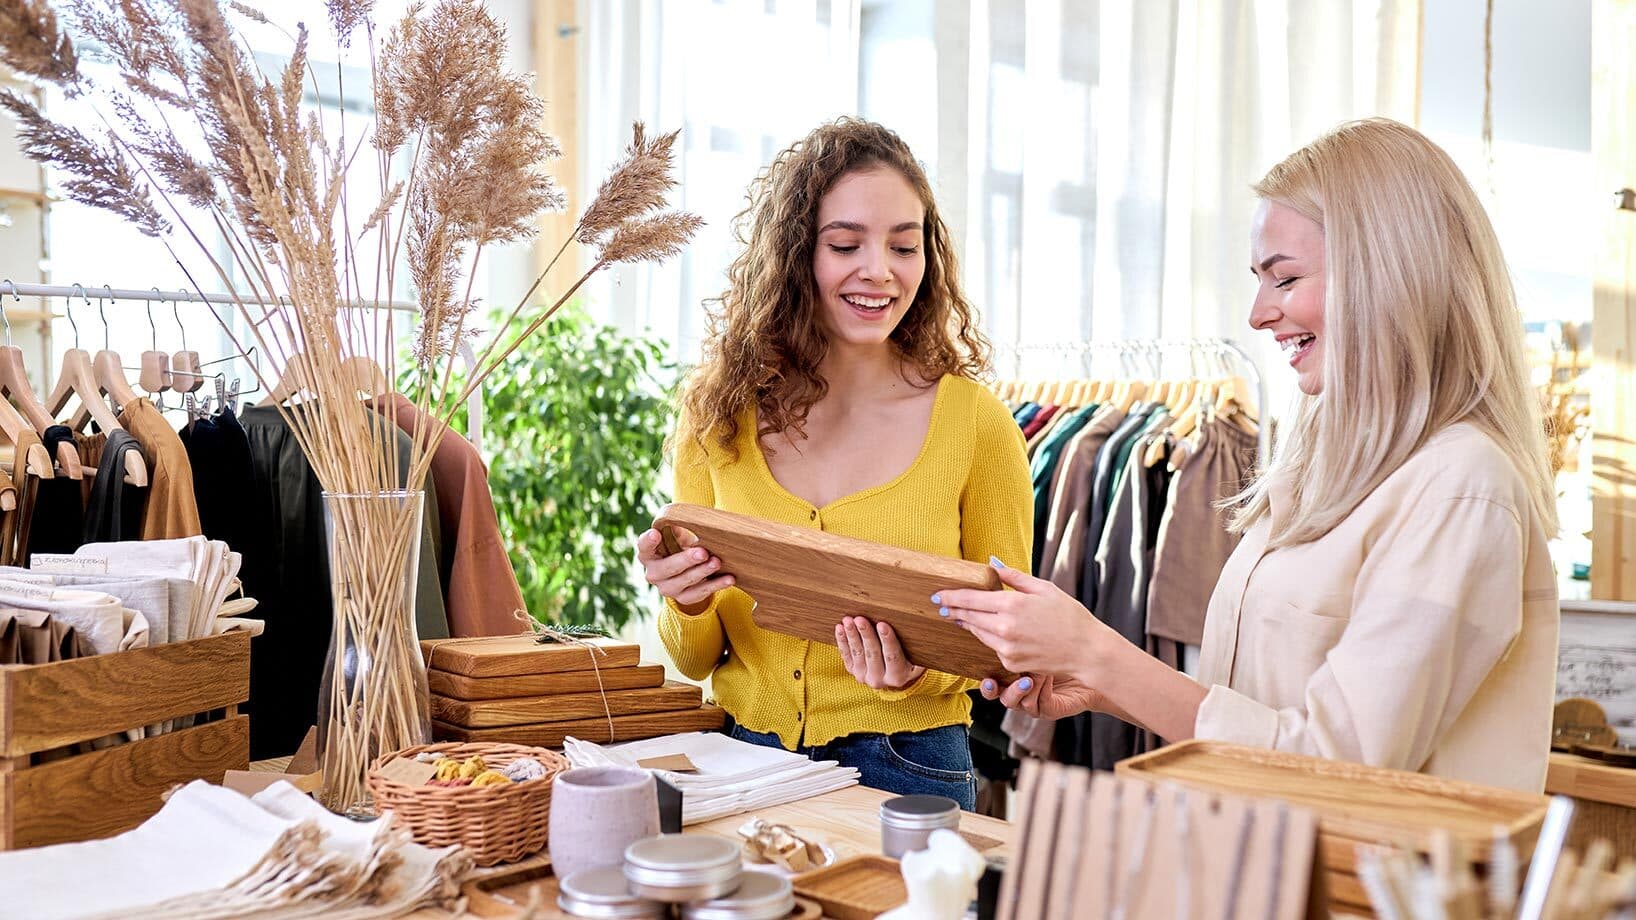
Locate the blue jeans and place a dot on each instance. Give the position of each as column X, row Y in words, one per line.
column 936, row 761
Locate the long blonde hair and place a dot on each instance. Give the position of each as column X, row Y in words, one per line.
column 1420, row 320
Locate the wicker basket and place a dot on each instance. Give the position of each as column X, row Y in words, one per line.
column 499, row 823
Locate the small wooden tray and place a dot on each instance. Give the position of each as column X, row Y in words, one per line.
column 1354, row 803
column 625, row 728
column 804, row 581
column 509, row 656
column 460, row 687
column 859, row 888
column 672, row 696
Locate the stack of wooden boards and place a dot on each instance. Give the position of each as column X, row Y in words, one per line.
column 514, row 689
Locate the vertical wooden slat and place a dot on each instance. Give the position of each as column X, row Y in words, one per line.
column 1613, row 407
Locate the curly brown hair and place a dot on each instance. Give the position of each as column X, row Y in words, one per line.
column 766, row 342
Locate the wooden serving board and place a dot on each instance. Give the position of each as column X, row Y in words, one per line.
column 625, row 728
column 672, row 696
column 860, row 888
column 804, row 581
column 510, row 656
column 1354, row 803
column 460, row 687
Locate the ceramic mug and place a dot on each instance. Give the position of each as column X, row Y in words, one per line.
column 596, row 812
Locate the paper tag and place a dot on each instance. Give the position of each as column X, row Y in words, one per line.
column 675, row 763
column 64, row 564
column 306, row 756
column 250, row 782
column 409, row 772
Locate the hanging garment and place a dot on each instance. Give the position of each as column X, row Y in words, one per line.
column 1194, row 542
column 172, row 511
column 1110, row 474
column 57, row 524
column 480, row 586
column 1069, row 523
column 1042, row 469
column 286, row 568
column 219, row 453
column 1039, row 420
column 1026, row 414
column 14, row 527
column 113, row 507
column 1123, row 564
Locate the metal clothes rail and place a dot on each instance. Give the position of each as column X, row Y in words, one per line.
column 109, row 293
column 1152, row 351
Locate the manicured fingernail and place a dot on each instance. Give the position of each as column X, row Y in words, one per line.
column 937, row 599
column 942, row 611
column 995, row 561
column 988, row 686
column 1026, row 684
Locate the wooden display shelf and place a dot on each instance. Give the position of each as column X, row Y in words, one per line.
column 46, row 707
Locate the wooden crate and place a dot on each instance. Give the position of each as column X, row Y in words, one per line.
column 1355, row 804
column 48, row 706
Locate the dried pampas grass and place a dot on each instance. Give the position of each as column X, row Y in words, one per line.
column 461, row 162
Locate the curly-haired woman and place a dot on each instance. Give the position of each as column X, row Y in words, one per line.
column 837, row 392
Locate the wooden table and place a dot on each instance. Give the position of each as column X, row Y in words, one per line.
column 847, row 820
column 1604, row 801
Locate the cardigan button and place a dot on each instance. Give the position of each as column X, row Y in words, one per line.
column 798, row 674
column 813, row 515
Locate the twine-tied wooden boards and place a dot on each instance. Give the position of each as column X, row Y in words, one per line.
column 803, row 581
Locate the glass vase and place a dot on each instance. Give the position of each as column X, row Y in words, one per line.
column 373, row 698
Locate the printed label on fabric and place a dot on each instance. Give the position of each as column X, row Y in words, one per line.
column 23, row 589
column 63, row 564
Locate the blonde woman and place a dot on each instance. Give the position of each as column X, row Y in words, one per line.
column 1391, row 602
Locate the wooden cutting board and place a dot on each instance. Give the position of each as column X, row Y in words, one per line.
column 1354, row 803
column 672, row 696
column 509, row 656
column 461, row 687
column 804, row 581
column 625, row 728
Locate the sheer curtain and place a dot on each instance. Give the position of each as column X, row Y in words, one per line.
column 742, row 79
column 1092, row 158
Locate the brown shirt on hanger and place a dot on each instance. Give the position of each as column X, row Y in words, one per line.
column 1194, row 542
column 1065, row 545
column 481, row 589
column 172, row 511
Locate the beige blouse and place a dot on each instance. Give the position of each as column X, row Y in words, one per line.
column 1419, row 634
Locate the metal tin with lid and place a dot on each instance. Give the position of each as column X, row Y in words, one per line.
column 679, row 868
column 760, row 896
column 907, row 822
column 603, row 894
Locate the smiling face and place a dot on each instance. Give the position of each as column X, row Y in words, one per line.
column 1287, row 259
column 870, row 255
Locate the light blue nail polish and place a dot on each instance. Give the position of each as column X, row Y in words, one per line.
column 988, row 686
column 942, row 611
column 1026, row 684
column 937, row 599
column 995, row 561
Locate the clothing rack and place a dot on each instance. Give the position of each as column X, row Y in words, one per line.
column 474, row 402
column 1151, row 352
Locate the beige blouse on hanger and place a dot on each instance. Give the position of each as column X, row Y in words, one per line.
column 1419, row 634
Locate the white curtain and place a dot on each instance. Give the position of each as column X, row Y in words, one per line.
column 1093, row 157
column 742, row 79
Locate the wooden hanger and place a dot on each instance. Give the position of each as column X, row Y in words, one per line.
column 294, row 380
column 364, row 375
column 14, row 383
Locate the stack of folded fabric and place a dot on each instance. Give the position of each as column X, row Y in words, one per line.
column 518, row 690
column 732, row 776
column 211, row 852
